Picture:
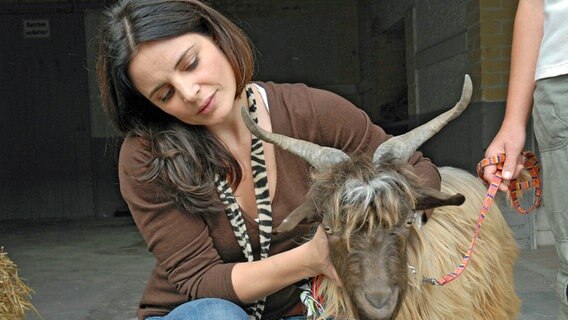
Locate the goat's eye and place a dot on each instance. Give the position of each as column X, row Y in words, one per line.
column 327, row 229
column 409, row 222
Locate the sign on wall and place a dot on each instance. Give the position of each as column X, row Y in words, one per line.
column 36, row 28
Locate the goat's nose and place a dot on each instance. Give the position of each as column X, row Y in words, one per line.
column 378, row 299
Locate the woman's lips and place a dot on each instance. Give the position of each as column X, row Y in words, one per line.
column 207, row 105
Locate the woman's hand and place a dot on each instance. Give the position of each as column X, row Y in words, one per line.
column 318, row 248
column 260, row 278
column 509, row 141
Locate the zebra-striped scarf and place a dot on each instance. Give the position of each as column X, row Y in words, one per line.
column 262, row 202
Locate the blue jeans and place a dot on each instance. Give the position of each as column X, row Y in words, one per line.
column 209, row 309
column 205, row 309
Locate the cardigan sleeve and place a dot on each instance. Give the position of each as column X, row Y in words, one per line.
column 179, row 240
column 347, row 127
column 328, row 119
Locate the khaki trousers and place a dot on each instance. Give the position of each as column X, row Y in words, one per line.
column 550, row 119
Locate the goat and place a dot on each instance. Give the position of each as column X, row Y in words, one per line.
column 371, row 208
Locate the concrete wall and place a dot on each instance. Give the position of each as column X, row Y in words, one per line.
column 105, row 140
column 58, row 162
column 45, row 168
column 313, row 42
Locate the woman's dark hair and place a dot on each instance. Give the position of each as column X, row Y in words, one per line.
column 185, row 158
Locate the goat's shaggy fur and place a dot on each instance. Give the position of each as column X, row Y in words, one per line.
column 485, row 290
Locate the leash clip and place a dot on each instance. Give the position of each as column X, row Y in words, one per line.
column 431, row 281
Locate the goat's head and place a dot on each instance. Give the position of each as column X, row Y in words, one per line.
column 367, row 208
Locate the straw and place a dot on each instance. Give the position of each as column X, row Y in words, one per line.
column 15, row 295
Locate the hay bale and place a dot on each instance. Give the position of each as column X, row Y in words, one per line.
column 15, row 295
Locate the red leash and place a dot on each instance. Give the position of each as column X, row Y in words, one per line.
column 530, row 164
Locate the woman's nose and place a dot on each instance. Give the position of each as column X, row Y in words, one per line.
column 189, row 92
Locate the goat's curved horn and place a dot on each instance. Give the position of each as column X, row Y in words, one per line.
column 403, row 146
column 316, row 155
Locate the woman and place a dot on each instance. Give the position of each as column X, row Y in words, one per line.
column 204, row 194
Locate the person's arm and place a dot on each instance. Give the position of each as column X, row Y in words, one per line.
column 510, row 139
column 181, row 241
column 327, row 119
column 260, row 278
column 349, row 128
column 182, row 244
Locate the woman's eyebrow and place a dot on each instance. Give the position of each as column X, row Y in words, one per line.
column 183, row 55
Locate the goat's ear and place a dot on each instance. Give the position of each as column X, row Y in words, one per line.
column 429, row 198
column 305, row 211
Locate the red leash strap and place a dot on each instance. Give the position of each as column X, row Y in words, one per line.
column 530, row 164
column 316, row 281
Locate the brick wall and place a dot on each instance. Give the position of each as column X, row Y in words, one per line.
column 490, row 29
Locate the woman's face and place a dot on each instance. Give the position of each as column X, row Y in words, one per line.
column 188, row 77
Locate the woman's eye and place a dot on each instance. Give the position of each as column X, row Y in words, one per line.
column 166, row 95
column 192, row 64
